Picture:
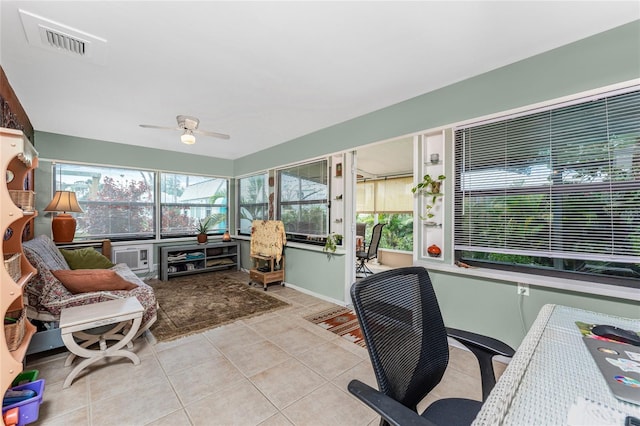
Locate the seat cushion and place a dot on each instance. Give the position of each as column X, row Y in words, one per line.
column 452, row 411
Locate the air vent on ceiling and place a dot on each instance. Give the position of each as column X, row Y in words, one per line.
column 53, row 36
column 63, row 41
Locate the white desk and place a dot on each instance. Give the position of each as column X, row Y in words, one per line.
column 75, row 321
column 551, row 369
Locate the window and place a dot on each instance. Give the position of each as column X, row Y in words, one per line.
column 189, row 198
column 253, row 201
column 121, row 204
column 555, row 191
column 387, row 201
column 117, row 203
column 303, row 200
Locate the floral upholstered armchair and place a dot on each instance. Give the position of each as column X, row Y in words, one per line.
column 47, row 295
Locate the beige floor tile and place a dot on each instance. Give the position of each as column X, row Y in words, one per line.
column 122, row 376
column 287, row 382
column 297, row 340
column 187, row 355
column 277, row 420
column 275, row 369
column 194, row 339
column 177, row 418
column 129, row 408
column 498, row 368
column 204, row 379
column 328, row 405
column 78, row 417
column 271, row 326
column 233, row 335
column 329, row 360
column 362, row 371
column 255, row 358
column 463, row 361
column 142, row 347
column 241, row 404
column 351, row 347
column 57, row 401
column 304, row 299
column 456, row 384
column 52, row 369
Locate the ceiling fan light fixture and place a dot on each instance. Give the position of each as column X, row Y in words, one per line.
column 188, row 138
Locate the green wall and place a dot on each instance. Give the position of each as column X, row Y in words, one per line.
column 493, row 307
column 473, row 303
column 70, row 148
column 600, row 60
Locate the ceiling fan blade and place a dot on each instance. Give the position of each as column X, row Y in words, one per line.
column 214, row 134
column 151, row 126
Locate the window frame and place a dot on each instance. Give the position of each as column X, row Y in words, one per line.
column 156, row 205
column 301, row 237
column 609, row 186
column 240, row 205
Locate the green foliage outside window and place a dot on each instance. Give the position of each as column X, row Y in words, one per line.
column 397, row 234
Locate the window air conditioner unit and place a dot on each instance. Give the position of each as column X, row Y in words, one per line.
column 136, row 257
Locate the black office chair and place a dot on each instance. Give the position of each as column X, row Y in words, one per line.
column 407, row 342
column 371, row 251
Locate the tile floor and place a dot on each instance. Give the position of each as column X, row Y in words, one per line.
column 274, row 369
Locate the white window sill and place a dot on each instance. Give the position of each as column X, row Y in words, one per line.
column 578, row 286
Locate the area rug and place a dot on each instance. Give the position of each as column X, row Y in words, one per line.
column 194, row 303
column 341, row 321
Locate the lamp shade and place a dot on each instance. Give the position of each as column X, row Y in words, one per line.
column 63, row 225
column 188, row 138
column 64, row 201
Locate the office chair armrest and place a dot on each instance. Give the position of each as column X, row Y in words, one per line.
column 488, row 344
column 484, row 348
column 391, row 410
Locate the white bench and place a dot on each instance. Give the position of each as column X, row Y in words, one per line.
column 76, row 321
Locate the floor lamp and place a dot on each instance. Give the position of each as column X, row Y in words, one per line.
column 63, row 224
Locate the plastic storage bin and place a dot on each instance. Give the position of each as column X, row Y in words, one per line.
column 25, row 377
column 29, row 408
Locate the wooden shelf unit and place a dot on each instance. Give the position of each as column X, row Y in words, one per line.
column 275, row 274
column 206, row 257
column 18, row 158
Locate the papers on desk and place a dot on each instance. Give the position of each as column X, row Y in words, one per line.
column 585, row 412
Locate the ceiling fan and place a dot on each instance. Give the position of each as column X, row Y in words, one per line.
column 189, row 126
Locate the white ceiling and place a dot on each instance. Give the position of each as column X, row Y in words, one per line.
column 268, row 72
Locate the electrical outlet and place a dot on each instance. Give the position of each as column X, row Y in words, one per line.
column 523, row 289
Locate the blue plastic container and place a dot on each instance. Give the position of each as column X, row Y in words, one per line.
column 29, row 408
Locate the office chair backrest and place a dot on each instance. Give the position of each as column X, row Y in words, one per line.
column 372, row 250
column 404, row 332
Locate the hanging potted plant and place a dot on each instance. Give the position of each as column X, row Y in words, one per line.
column 331, row 243
column 430, row 187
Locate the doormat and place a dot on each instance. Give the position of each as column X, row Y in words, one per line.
column 341, row 321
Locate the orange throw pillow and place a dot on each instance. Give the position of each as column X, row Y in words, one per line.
column 88, row 280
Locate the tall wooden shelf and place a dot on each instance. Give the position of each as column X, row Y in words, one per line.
column 18, row 158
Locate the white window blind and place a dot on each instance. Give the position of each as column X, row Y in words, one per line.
column 561, row 183
column 391, row 195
